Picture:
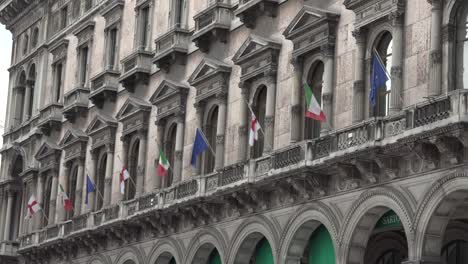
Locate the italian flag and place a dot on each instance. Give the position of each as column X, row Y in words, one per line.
column 66, row 201
column 163, row 165
column 33, row 206
column 314, row 110
column 124, row 175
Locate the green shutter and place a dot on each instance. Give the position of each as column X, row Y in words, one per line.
column 215, row 258
column 321, row 250
column 263, row 253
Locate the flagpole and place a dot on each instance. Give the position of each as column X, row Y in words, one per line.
column 207, row 142
column 381, row 62
column 160, row 149
column 131, row 180
column 42, row 211
column 97, row 190
column 252, row 112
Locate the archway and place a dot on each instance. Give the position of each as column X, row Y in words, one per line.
column 29, row 94
column 255, row 249
column 165, row 258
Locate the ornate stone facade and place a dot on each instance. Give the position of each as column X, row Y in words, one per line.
column 99, row 88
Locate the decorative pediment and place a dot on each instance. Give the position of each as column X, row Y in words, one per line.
column 369, row 11
column 59, row 50
column 257, row 57
column 72, row 136
column 46, row 150
column 311, row 29
column 134, row 115
column 74, row 144
column 112, row 12
column 210, row 78
column 170, row 99
column 85, row 32
column 101, row 121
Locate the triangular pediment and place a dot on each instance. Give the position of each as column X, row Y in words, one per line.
column 131, row 106
column 166, row 89
column 100, row 121
column 207, row 68
column 73, row 135
column 46, row 149
column 253, row 45
column 307, row 19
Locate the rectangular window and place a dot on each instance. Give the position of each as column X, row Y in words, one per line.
column 63, row 17
column 58, row 70
column 178, row 12
column 83, row 66
column 112, row 48
column 144, row 27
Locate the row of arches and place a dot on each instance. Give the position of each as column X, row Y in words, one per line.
column 383, row 226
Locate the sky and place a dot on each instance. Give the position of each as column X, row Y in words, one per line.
column 5, row 60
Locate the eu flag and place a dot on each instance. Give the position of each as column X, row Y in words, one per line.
column 89, row 187
column 379, row 78
column 199, row 145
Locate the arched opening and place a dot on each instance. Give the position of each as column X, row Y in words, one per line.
column 170, row 150
column 15, row 219
column 129, row 262
column 165, row 258
column 214, row 257
column 100, row 181
column 72, row 190
column 206, row 254
column 255, row 249
column 32, row 84
column 211, row 127
column 47, row 195
column 35, row 37
column 315, row 81
column 130, row 188
column 25, row 44
column 383, row 47
column 18, row 111
column 388, row 243
column 263, row 253
column 259, row 108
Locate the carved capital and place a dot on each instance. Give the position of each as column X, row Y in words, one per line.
column 296, row 110
column 269, row 121
column 358, row 86
column 222, row 98
column 142, row 132
column 220, row 140
column 360, row 35
column 199, row 107
column 436, row 56
column 178, row 155
column 327, row 98
column 108, row 181
column 297, row 63
column 396, row 18
column 109, row 148
column 243, row 130
column 160, row 122
column 448, row 33
column 327, row 50
column 436, row 4
column 396, row 72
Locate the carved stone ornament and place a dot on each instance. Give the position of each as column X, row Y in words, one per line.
column 369, row 11
column 170, row 99
column 85, row 32
column 59, row 50
column 210, row 78
column 257, row 56
column 49, row 156
column 74, row 144
column 312, row 29
column 112, row 12
column 102, row 130
column 134, row 115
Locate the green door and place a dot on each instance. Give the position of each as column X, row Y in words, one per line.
column 215, row 258
column 263, row 253
column 321, row 250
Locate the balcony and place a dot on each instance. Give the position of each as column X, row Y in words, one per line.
column 8, row 249
column 422, row 138
column 250, row 10
column 212, row 24
column 104, row 87
column 76, row 104
column 136, row 69
column 171, row 48
column 50, row 118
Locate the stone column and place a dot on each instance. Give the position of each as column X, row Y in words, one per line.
column 220, row 131
column 109, row 172
column 40, row 199
column 397, row 62
column 9, row 212
column 79, row 187
column 27, row 101
column 244, row 115
column 3, row 207
column 358, row 86
column 92, row 175
column 140, row 182
column 200, row 109
column 328, row 52
column 160, row 140
column 53, row 199
column 297, row 118
column 270, row 114
column 435, row 61
column 179, row 149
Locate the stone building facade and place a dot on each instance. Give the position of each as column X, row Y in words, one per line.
column 96, row 85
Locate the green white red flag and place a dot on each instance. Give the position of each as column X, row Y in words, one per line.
column 314, row 110
column 163, row 165
column 65, row 199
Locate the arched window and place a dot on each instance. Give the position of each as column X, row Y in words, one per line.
column 263, row 253
column 58, row 71
column 315, row 81
column 35, row 37
column 456, row 252
column 383, row 47
column 259, row 108
column 130, row 190
column 170, row 150
column 211, row 127
column 19, row 111
column 100, row 181
column 47, row 195
column 32, row 84
column 71, row 190
column 25, row 44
